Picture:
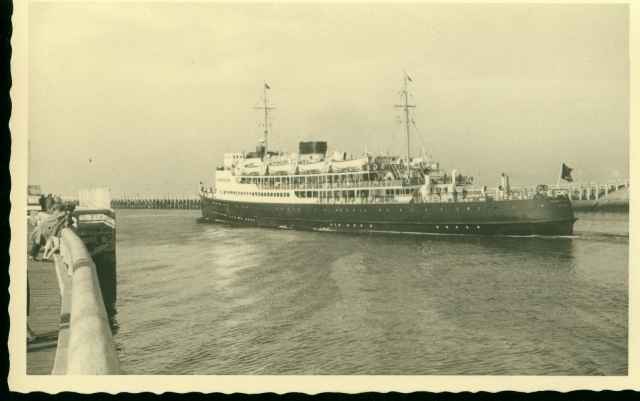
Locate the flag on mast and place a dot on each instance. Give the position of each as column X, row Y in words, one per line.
column 565, row 174
column 266, row 86
column 408, row 77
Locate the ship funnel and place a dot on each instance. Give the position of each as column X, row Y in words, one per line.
column 313, row 147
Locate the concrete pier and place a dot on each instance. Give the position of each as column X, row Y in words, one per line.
column 72, row 299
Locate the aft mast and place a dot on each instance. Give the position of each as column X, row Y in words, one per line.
column 265, row 106
column 406, row 106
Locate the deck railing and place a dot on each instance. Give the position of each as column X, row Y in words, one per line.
column 575, row 191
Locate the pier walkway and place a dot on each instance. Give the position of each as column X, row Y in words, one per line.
column 44, row 317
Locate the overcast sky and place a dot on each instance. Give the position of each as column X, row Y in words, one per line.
column 155, row 93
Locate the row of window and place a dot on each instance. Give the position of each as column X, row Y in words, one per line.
column 437, row 227
column 264, row 194
column 327, row 209
column 349, row 193
column 315, row 194
column 241, row 218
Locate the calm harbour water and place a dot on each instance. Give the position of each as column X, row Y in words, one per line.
column 212, row 299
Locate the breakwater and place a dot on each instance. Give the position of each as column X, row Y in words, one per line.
column 156, row 202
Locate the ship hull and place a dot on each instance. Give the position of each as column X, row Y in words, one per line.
column 515, row 217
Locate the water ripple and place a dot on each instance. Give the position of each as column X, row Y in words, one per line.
column 212, row 299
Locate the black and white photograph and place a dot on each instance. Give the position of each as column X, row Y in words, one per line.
column 327, row 188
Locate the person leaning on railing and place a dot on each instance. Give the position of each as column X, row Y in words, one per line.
column 49, row 225
column 46, row 226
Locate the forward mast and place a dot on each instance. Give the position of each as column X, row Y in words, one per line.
column 406, row 107
column 266, row 108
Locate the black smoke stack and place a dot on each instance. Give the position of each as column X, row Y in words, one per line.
column 313, row 147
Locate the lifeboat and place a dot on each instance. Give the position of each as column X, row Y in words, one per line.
column 252, row 166
column 349, row 165
column 312, row 168
column 281, row 167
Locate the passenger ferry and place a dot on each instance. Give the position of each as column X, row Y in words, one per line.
column 319, row 190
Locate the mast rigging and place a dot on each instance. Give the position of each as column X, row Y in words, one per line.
column 406, row 106
column 265, row 106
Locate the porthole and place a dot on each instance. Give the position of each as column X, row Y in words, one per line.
column 478, row 227
column 370, row 225
column 456, row 227
column 466, row 227
column 446, row 227
column 437, row 227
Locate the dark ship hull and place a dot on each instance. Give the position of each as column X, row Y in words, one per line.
column 510, row 217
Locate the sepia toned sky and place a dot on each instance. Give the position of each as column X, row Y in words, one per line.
column 155, row 93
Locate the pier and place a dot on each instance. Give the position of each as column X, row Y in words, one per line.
column 72, row 297
column 156, row 202
column 595, row 197
column 591, row 191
